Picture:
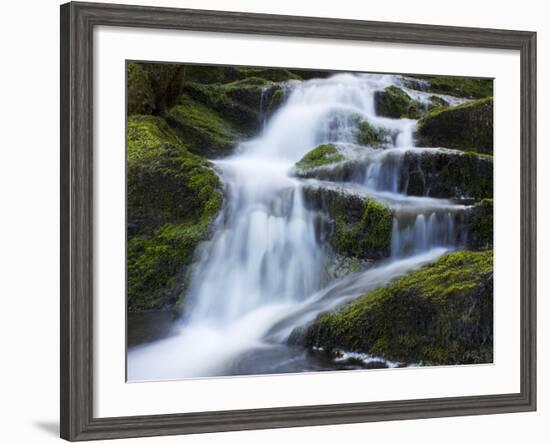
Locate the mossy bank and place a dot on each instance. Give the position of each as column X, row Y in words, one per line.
column 439, row 315
column 173, row 197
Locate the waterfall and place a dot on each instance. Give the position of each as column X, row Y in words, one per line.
column 264, row 271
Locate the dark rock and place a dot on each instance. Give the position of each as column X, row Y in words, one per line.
column 481, row 225
column 393, row 102
column 467, row 127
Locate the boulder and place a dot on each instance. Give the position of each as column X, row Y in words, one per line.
column 201, row 129
column 393, row 102
column 441, row 314
column 358, row 226
column 467, row 127
column 172, row 198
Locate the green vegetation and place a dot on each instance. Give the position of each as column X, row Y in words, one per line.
column 201, row 129
column 240, row 102
column 393, row 102
column 319, row 156
column 441, row 314
column 368, row 237
column 467, row 127
column 173, row 196
column 360, row 227
column 370, row 136
column 458, row 86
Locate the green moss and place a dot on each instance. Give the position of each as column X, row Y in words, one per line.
column 369, row 136
column 481, row 225
column 460, row 86
column 319, row 156
column 140, row 95
column 172, row 198
column 370, row 236
column 201, row 129
column 393, row 102
column 441, row 314
column 467, row 127
column 271, row 74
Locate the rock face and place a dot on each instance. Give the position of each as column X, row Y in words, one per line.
column 440, row 173
column 393, row 102
column 358, row 227
column 244, row 103
column 439, row 315
column 321, row 155
column 481, row 225
column 467, row 127
column 466, row 87
column 173, row 197
column 447, row 174
column 202, row 130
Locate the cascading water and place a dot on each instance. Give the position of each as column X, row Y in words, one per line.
column 264, row 272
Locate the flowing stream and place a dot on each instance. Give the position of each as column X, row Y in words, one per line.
column 266, row 269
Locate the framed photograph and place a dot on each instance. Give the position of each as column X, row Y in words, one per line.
column 273, row 221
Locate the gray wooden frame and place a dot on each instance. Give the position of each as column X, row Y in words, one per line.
column 77, row 23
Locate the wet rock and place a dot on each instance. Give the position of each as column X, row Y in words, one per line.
column 173, row 197
column 439, row 315
column 467, row 127
column 480, row 219
column 393, row 102
column 359, row 226
column 201, row 129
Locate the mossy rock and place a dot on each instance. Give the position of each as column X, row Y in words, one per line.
column 359, row 227
column 172, row 198
column 437, row 102
column 370, row 136
column 466, row 87
column 467, row 127
column 271, row 74
column 308, row 74
column 243, row 103
column 447, row 174
column 393, row 102
column 202, row 130
column 140, row 95
column 441, row 314
column 480, row 234
column 208, row 74
column 321, row 155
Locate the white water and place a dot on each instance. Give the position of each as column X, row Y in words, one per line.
column 265, row 270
